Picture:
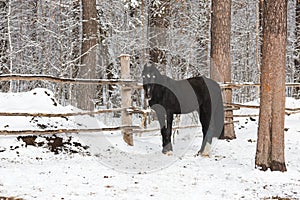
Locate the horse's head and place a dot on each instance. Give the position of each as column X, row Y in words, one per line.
column 151, row 77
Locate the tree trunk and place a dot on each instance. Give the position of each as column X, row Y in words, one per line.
column 297, row 49
column 220, row 66
column 86, row 93
column 4, row 69
column 158, row 25
column 270, row 144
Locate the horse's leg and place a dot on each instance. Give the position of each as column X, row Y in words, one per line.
column 167, row 144
column 205, row 119
column 161, row 116
column 219, row 118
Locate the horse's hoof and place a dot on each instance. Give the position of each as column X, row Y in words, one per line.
column 168, row 153
column 205, row 155
column 167, row 148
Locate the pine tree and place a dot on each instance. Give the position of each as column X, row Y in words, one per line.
column 86, row 93
column 270, row 144
column 220, row 68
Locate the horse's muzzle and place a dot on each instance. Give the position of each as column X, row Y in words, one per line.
column 148, row 93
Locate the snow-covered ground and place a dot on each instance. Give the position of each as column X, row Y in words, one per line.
column 63, row 167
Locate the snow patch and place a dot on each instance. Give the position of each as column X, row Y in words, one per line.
column 34, row 172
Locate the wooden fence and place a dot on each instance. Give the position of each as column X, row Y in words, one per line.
column 126, row 110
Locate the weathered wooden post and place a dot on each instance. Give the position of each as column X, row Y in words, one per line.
column 126, row 98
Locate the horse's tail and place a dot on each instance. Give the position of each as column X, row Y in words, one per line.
column 222, row 134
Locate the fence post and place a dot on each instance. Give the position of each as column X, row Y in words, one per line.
column 126, row 98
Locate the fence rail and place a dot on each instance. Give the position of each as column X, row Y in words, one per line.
column 58, row 131
column 288, row 111
column 133, row 83
column 126, row 111
column 238, row 85
column 24, row 114
column 34, row 77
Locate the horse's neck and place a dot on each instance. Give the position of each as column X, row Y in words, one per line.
column 166, row 80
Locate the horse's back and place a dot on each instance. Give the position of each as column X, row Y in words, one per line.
column 187, row 95
column 190, row 93
column 200, row 87
column 203, row 84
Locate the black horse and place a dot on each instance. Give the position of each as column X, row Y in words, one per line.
column 168, row 97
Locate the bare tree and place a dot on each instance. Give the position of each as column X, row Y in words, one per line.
column 270, row 144
column 220, row 66
column 86, row 94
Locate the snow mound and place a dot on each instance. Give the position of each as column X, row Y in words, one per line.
column 36, row 100
column 40, row 100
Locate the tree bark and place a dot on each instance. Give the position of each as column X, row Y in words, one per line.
column 270, row 144
column 86, row 94
column 4, row 69
column 158, row 25
column 220, row 66
column 297, row 49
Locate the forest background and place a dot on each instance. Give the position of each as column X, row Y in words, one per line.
column 46, row 37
